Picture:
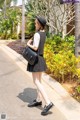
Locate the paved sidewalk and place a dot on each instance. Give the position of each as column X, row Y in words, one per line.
column 66, row 107
column 17, row 90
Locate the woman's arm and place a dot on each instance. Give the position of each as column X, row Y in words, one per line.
column 35, row 42
column 32, row 46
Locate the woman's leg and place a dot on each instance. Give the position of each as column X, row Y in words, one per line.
column 38, row 92
column 37, row 81
column 39, row 97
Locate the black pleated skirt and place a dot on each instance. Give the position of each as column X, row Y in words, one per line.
column 39, row 66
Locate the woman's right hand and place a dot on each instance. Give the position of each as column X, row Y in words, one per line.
column 29, row 42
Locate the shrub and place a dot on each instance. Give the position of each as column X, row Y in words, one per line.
column 14, row 36
column 58, row 43
column 30, row 27
column 60, row 58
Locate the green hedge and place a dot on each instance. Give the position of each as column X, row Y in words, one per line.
column 60, row 58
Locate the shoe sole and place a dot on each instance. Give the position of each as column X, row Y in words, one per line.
column 34, row 105
column 47, row 111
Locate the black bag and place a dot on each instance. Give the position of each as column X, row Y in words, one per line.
column 30, row 55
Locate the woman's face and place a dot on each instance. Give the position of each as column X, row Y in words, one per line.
column 37, row 25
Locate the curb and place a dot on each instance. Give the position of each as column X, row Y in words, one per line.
column 62, row 100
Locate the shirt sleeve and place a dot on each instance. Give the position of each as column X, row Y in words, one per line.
column 36, row 40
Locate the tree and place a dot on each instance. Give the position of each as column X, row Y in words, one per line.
column 57, row 15
column 9, row 25
column 77, row 29
column 23, row 20
column 5, row 4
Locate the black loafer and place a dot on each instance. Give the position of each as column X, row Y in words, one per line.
column 35, row 103
column 46, row 109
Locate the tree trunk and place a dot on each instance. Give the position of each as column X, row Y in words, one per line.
column 77, row 29
column 4, row 9
column 23, row 20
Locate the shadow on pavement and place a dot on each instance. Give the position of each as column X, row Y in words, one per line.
column 28, row 95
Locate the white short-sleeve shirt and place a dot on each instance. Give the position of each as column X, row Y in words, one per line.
column 36, row 40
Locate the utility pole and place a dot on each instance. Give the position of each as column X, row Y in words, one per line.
column 23, row 21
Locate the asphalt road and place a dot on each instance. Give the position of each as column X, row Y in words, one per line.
column 16, row 91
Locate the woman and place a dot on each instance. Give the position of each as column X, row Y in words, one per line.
column 40, row 65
